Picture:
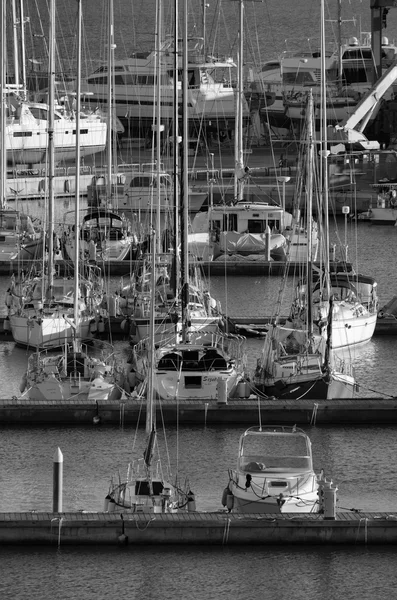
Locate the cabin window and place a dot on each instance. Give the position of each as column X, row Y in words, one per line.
column 354, row 75
column 22, row 134
column 98, row 80
column 256, row 225
column 297, row 78
column 230, row 222
column 192, row 382
column 119, row 80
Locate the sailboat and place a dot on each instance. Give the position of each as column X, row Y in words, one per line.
column 16, row 228
column 296, row 361
column 42, row 305
column 27, row 122
column 76, row 372
column 146, row 487
column 196, row 364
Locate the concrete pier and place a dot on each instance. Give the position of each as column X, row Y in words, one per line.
column 364, row 411
column 221, row 529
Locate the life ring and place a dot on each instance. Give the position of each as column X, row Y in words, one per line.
column 381, row 314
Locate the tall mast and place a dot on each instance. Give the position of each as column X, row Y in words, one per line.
column 324, row 149
column 184, row 183
column 158, row 125
column 309, row 184
column 77, row 191
column 23, row 50
column 51, row 149
column 15, row 44
column 238, row 144
column 205, row 6
column 175, row 271
column 3, row 149
column 149, row 397
column 110, row 64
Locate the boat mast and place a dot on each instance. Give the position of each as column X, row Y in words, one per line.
column 151, row 357
column 324, row 151
column 23, row 50
column 238, row 142
column 3, row 149
column 175, row 279
column 15, row 44
column 51, row 150
column 205, row 6
column 309, row 184
column 110, row 65
column 77, row 191
column 184, row 186
column 158, row 126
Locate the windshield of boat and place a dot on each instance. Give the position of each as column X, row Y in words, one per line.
column 275, row 453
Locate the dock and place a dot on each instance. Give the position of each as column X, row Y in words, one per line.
column 202, row 413
column 241, row 266
column 196, row 528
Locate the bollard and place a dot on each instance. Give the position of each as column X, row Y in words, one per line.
column 57, row 485
column 329, row 501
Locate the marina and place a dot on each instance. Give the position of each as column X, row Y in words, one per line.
column 104, row 512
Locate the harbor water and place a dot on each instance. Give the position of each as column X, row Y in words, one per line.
column 360, row 460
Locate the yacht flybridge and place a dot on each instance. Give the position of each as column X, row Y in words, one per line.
column 211, row 96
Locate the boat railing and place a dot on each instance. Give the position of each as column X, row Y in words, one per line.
column 58, row 172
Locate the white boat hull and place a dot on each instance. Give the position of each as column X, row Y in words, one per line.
column 28, row 144
column 50, row 332
column 204, row 385
column 347, row 332
column 247, row 502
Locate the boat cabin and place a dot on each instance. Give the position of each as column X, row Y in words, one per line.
column 246, row 218
column 275, row 449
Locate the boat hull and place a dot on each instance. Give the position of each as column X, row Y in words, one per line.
column 46, row 333
column 246, row 503
column 200, row 385
column 303, row 388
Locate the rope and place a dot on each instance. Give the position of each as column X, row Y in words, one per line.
column 365, row 519
column 314, row 414
column 226, row 532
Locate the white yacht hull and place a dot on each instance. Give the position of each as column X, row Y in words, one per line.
column 201, row 385
column 245, row 501
column 47, row 332
column 28, row 143
column 347, row 332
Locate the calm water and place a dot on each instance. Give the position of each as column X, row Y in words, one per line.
column 360, row 460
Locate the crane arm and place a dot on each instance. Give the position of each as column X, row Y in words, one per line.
column 350, row 129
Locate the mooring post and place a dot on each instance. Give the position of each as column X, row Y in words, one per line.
column 57, row 482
